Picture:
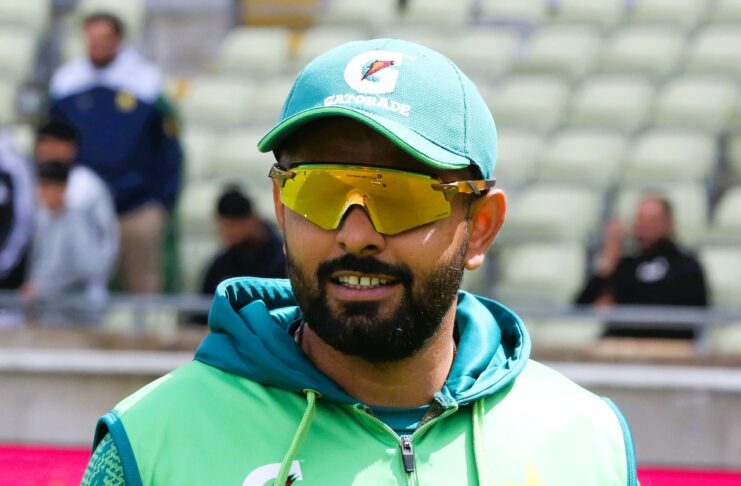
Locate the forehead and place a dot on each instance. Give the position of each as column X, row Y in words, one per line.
column 343, row 140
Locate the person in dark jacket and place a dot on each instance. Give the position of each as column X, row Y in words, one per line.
column 251, row 247
column 658, row 273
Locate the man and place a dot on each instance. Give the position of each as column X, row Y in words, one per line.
column 16, row 214
column 65, row 261
column 370, row 366
column 659, row 273
column 128, row 136
column 251, row 247
column 85, row 192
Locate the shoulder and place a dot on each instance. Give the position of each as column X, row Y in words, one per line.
column 135, row 73
column 71, row 78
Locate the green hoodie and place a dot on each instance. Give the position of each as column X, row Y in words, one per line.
column 253, row 410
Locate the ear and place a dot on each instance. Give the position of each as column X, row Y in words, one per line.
column 487, row 217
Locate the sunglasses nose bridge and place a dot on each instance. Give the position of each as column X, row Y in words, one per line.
column 356, row 197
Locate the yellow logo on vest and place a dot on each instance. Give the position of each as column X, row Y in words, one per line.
column 125, row 102
column 532, row 478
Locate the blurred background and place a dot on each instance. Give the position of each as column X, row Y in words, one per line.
column 602, row 107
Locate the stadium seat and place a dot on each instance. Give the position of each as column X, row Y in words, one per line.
column 236, row 160
column 567, row 332
column 734, row 156
column 440, row 13
column 131, row 12
column 515, row 12
column 23, row 137
column 267, row 100
column 699, row 102
column 318, row 40
column 540, row 274
column 198, row 146
column 196, row 207
column 612, row 102
column 723, row 339
column 217, row 102
column 667, row 156
column 17, row 53
column 604, row 13
column 518, row 152
column 722, row 267
column 588, row 157
column 483, row 52
column 689, row 206
column 686, row 13
column 726, row 223
column 652, row 51
column 195, row 254
column 254, row 51
column 7, row 101
column 426, row 35
column 33, row 14
column 569, row 51
column 370, row 15
column 726, row 11
column 535, row 102
column 553, row 212
column 715, row 51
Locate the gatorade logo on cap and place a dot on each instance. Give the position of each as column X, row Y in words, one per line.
column 373, row 72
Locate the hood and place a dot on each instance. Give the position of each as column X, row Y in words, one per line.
column 250, row 320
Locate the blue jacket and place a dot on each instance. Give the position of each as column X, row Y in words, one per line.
column 128, row 134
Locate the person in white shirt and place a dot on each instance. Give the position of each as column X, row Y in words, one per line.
column 57, row 141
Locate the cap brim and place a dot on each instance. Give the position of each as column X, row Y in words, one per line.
column 406, row 139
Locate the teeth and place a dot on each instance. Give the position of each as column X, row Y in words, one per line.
column 359, row 282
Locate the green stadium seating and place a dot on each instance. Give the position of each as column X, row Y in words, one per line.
column 569, row 51
column 33, row 14
column 696, row 102
column 588, row 157
column 534, row 102
column 17, row 53
column 603, row 13
column 217, row 102
column 518, row 153
column 715, row 51
column 685, row 13
column 540, row 273
column 722, row 267
column 613, row 102
column 254, row 52
column 643, row 50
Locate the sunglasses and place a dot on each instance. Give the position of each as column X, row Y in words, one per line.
column 395, row 200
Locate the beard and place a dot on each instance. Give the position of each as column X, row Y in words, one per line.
column 358, row 328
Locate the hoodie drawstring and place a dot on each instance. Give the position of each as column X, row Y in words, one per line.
column 298, row 437
column 479, row 443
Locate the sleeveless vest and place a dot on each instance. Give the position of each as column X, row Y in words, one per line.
column 202, row 426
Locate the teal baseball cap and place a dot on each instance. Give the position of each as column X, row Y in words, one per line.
column 414, row 96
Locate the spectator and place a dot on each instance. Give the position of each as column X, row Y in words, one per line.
column 659, row 273
column 128, row 136
column 65, row 257
column 57, row 141
column 251, row 247
column 16, row 214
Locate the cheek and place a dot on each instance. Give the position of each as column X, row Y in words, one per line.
column 307, row 243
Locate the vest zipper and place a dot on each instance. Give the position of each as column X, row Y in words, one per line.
column 404, row 441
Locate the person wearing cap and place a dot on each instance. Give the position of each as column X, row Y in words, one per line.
column 369, row 365
column 64, row 262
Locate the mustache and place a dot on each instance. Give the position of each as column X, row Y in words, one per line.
column 353, row 263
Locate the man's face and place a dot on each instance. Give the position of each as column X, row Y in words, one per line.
column 51, row 195
column 366, row 294
column 652, row 222
column 50, row 148
column 102, row 42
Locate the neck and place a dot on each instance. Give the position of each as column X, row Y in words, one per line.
column 411, row 382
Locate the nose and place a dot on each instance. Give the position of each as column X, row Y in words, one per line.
column 357, row 235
